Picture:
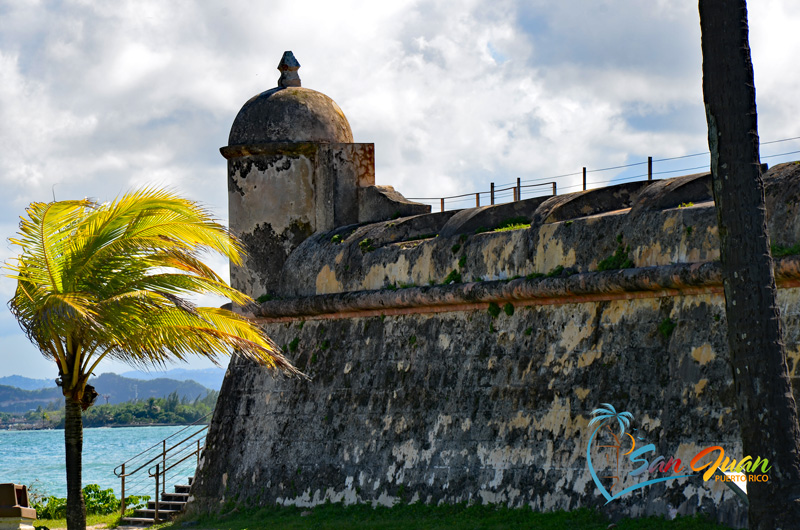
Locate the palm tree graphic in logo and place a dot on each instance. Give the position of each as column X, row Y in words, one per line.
column 607, row 417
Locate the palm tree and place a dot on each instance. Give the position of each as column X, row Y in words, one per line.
column 110, row 280
column 603, row 416
column 609, row 413
column 766, row 411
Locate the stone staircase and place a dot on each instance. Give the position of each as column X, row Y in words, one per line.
column 169, row 505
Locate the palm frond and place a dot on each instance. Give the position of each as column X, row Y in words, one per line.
column 114, row 277
column 607, row 412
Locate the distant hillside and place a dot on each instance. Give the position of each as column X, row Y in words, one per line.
column 121, row 389
column 26, row 383
column 116, row 388
column 208, row 377
column 17, row 400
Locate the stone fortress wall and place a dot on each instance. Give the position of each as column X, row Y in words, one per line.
column 449, row 362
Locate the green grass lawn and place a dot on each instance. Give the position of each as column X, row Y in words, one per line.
column 426, row 517
column 111, row 520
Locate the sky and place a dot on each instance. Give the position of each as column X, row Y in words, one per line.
column 98, row 98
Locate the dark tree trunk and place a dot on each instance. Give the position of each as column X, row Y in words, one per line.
column 766, row 409
column 73, row 438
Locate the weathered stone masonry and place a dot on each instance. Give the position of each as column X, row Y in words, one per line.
column 421, row 394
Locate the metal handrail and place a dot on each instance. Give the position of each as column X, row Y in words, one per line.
column 166, row 459
column 159, row 455
column 200, row 420
column 149, row 472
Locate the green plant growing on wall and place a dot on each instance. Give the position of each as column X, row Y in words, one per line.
column 513, row 223
column 555, row 272
column 535, row 275
column 685, row 205
column 412, row 340
column 689, row 230
column 453, row 277
column 508, row 309
column 528, row 332
column 512, row 227
column 366, row 245
column 462, row 238
column 264, row 298
column 455, row 248
column 293, row 344
column 421, row 237
column 780, row 251
column 494, row 310
column 325, row 345
column 336, row 239
column 666, row 327
column 462, row 261
column 618, row 260
column 391, row 287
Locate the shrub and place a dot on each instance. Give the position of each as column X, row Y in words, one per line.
column 513, row 223
column 98, row 502
column 779, row 251
column 366, row 245
column 618, row 260
column 453, row 277
column 666, row 327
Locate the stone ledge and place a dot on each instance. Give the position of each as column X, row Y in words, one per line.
column 645, row 282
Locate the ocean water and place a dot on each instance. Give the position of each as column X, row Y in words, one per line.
column 36, row 458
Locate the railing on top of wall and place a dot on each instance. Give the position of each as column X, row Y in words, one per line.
column 514, row 192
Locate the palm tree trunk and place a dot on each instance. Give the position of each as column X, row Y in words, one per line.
column 73, row 438
column 766, row 409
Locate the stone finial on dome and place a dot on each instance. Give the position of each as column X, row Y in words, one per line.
column 288, row 67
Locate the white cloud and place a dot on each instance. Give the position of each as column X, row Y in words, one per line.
column 97, row 98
